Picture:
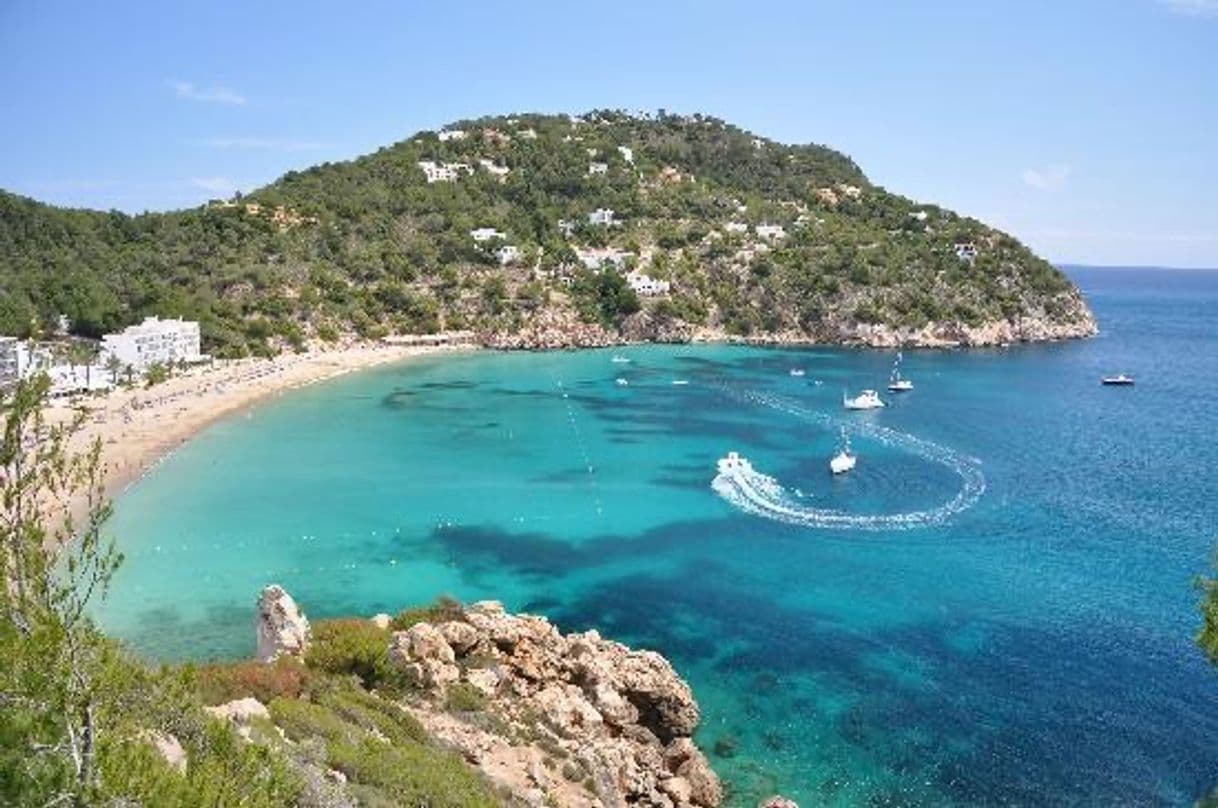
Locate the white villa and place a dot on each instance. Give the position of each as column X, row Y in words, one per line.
column 770, row 231
column 499, row 171
column 627, row 153
column 597, row 168
column 601, row 216
column 153, row 341
column 736, row 227
column 12, row 352
column 595, row 259
column 646, row 285
column 451, row 134
column 527, row 134
column 566, row 226
column 443, row 172
column 485, row 234
column 966, row 251
column 508, row 254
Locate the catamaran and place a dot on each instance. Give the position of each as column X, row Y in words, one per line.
column 866, row 400
column 897, row 384
column 845, row 459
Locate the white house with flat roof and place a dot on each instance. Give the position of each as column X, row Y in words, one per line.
column 601, row 216
column 736, row 227
column 646, row 285
column 966, row 251
column 443, row 172
column 451, row 134
column 154, row 341
column 491, row 166
column 597, row 168
column 627, row 153
column 597, row 258
column 485, row 234
column 507, row 254
column 770, row 231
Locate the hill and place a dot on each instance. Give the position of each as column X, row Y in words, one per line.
column 754, row 239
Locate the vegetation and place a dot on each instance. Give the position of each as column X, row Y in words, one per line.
column 368, row 246
column 80, row 720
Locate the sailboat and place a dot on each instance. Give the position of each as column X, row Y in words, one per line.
column 845, row 459
column 896, row 383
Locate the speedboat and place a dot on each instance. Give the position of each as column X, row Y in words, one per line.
column 680, row 382
column 1120, row 379
column 621, row 382
column 733, row 464
column 618, row 359
column 797, row 371
column 896, row 383
column 866, row 400
column 845, row 459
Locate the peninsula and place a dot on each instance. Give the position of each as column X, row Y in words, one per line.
column 546, row 231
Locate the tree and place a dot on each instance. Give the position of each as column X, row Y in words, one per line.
column 54, row 564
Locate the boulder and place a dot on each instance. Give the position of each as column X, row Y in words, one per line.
column 281, row 627
column 777, row 802
column 685, row 760
column 240, row 711
column 168, row 747
column 381, row 620
column 461, row 636
column 567, row 711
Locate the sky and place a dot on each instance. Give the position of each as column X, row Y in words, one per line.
column 1088, row 128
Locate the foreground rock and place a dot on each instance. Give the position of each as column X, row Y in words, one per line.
column 280, row 626
column 572, row 720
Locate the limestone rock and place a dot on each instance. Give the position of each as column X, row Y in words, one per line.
column 381, row 620
column 281, row 627
column 168, row 747
column 777, row 801
column 240, row 711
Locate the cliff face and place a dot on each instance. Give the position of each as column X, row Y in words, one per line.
column 545, row 718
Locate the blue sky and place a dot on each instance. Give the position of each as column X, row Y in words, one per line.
column 1089, row 128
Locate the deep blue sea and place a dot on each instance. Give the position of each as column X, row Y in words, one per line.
column 995, row 607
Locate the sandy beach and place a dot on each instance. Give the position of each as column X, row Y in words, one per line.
column 139, row 426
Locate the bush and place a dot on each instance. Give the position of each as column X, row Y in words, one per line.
column 352, row 647
column 220, row 683
column 443, row 610
column 463, row 697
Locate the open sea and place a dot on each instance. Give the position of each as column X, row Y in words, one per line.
column 995, row 607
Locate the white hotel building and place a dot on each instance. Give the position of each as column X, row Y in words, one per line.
column 154, row 341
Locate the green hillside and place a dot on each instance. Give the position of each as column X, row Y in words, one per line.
column 371, row 246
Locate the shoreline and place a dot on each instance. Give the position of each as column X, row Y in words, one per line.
column 141, row 426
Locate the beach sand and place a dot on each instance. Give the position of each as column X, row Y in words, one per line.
column 139, row 426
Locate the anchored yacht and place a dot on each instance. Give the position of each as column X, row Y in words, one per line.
column 896, row 383
column 866, row 400
column 1120, row 379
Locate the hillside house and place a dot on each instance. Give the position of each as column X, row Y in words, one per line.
column 485, row 234
column 602, row 216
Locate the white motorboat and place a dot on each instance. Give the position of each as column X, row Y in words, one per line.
column 797, row 371
column 1121, row 379
column 621, row 382
column 680, row 382
column 618, row 359
column 866, row 400
column 734, row 464
column 845, row 459
column 896, row 383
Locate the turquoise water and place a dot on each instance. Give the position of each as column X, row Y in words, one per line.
column 1027, row 640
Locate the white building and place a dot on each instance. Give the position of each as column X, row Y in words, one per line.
column 443, row 172
column 499, row 171
column 485, row 234
column 597, row 168
column 451, row 134
column 966, row 251
column 736, row 227
column 627, row 153
column 153, row 341
column 601, row 216
column 566, row 226
column 508, row 254
column 10, row 360
column 527, row 134
column 770, row 231
column 646, row 285
column 595, row 259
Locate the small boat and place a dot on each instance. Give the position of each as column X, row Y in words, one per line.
column 896, row 383
column 620, row 382
column 845, row 459
column 618, row 359
column 733, row 464
column 680, row 381
column 797, row 371
column 1119, row 380
column 866, row 400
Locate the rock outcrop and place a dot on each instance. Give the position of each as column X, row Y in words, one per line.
column 589, row 722
column 280, row 626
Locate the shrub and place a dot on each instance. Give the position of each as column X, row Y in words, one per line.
column 351, row 647
column 443, row 610
column 219, row 683
column 462, row 697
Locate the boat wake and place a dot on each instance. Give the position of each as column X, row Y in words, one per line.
column 761, row 495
